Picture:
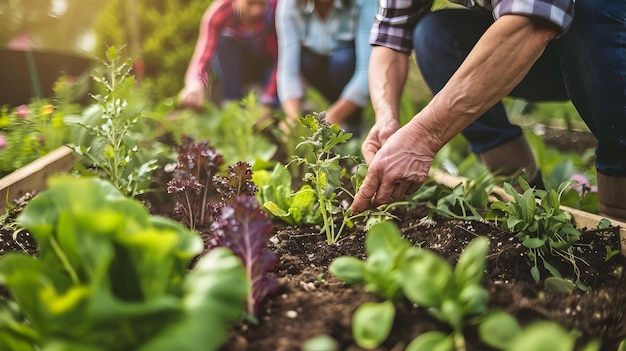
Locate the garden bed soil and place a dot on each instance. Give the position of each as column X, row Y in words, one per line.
column 311, row 302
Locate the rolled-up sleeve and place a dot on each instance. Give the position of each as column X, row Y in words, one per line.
column 558, row 12
column 394, row 23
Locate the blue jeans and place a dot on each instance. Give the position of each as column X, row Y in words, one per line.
column 330, row 74
column 587, row 65
column 238, row 63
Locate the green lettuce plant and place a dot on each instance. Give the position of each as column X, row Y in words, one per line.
column 279, row 199
column 109, row 276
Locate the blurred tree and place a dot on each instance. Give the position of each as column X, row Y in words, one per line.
column 57, row 25
column 163, row 43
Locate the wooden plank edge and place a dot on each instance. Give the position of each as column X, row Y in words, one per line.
column 581, row 218
column 33, row 176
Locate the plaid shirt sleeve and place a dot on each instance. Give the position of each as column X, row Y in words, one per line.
column 394, row 23
column 558, row 12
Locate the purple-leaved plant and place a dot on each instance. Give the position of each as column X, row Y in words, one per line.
column 192, row 181
column 244, row 228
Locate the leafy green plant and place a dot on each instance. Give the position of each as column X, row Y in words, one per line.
column 381, row 272
column 278, row 198
column 115, row 152
column 231, row 130
column 501, row 331
column 324, row 171
column 394, row 269
column 452, row 295
column 110, row 276
column 469, row 200
column 28, row 132
column 542, row 227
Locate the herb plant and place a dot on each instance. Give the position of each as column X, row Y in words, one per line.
column 542, row 227
column 468, row 200
column 109, row 276
column 325, row 173
column 324, row 169
column 394, row 269
column 114, row 152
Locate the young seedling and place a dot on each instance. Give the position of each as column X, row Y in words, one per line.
column 325, row 172
column 542, row 226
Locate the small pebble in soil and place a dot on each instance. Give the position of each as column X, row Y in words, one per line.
column 291, row 314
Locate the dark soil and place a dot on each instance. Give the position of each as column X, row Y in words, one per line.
column 311, row 302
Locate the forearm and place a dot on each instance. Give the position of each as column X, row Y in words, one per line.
column 340, row 110
column 498, row 62
column 291, row 108
column 388, row 70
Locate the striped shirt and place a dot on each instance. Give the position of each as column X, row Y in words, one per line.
column 396, row 19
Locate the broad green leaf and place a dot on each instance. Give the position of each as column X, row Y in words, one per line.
column 473, row 299
column 215, row 291
column 533, row 243
column 348, row 269
column 543, row 336
column 372, row 322
column 559, row 285
column 498, row 329
column 431, row 341
column 427, row 278
column 469, row 268
column 385, row 236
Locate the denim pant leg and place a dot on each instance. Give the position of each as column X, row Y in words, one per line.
column 237, row 63
column 227, row 65
column 594, row 67
column 443, row 39
column 330, row 74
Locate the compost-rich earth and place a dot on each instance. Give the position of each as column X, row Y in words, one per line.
column 311, row 302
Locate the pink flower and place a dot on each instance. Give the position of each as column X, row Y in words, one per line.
column 582, row 184
column 22, row 111
column 3, row 142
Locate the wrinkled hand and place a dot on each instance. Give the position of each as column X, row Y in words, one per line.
column 192, row 95
column 377, row 136
column 399, row 168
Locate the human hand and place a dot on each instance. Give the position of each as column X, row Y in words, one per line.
column 378, row 134
column 399, row 168
column 192, row 95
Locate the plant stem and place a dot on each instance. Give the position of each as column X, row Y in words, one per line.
column 64, row 260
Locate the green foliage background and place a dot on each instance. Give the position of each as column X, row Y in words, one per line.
column 167, row 34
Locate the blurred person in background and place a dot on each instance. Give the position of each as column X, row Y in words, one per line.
column 237, row 41
column 324, row 44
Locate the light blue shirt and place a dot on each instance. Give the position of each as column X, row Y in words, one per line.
column 298, row 25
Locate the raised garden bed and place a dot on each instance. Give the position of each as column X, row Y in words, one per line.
column 32, row 177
